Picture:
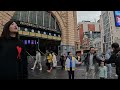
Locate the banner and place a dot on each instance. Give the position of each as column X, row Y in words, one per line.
column 117, row 18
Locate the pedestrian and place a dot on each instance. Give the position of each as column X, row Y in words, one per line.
column 115, row 58
column 78, row 58
column 13, row 56
column 54, row 60
column 102, row 71
column 62, row 60
column 49, row 62
column 109, row 66
column 70, row 65
column 92, row 62
column 38, row 60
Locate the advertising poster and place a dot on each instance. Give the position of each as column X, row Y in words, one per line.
column 117, row 18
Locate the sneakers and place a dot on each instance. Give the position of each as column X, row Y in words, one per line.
column 48, row 71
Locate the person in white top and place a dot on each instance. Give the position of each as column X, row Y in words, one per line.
column 102, row 71
column 38, row 60
column 54, row 60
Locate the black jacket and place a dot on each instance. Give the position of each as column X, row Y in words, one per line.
column 13, row 59
column 112, row 59
column 96, row 59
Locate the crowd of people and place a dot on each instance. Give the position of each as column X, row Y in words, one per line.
column 97, row 64
column 14, row 63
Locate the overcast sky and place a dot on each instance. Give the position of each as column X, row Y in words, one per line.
column 88, row 15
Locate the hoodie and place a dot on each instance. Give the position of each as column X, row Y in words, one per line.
column 13, row 59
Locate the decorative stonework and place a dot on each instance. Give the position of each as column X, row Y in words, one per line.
column 64, row 16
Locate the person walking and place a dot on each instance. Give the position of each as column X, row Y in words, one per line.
column 13, row 56
column 49, row 62
column 54, row 60
column 63, row 59
column 38, row 60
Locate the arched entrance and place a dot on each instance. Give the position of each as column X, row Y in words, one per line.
column 38, row 29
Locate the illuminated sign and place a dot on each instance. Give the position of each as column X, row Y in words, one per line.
column 44, row 36
column 20, row 32
column 38, row 35
column 58, row 38
column 25, row 33
column 25, row 42
column 54, row 37
column 50, row 37
column 32, row 34
column 28, row 41
column 117, row 18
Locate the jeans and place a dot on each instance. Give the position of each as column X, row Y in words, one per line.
column 109, row 67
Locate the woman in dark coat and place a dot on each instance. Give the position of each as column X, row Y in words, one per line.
column 13, row 58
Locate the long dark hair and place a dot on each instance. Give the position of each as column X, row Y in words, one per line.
column 6, row 32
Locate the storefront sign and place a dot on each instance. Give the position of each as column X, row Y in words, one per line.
column 32, row 34
column 50, row 37
column 58, row 38
column 38, row 35
column 44, row 36
column 20, row 32
column 54, row 37
column 25, row 33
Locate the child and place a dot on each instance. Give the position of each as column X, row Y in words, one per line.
column 102, row 71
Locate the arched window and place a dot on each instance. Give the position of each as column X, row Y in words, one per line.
column 46, row 19
column 41, row 18
column 32, row 17
column 52, row 22
column 24, row 16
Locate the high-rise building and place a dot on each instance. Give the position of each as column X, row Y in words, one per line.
column 88, row 31
column 110, row 28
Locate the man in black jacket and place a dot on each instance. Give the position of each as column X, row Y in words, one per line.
column 92, row 61
column 115, row 58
